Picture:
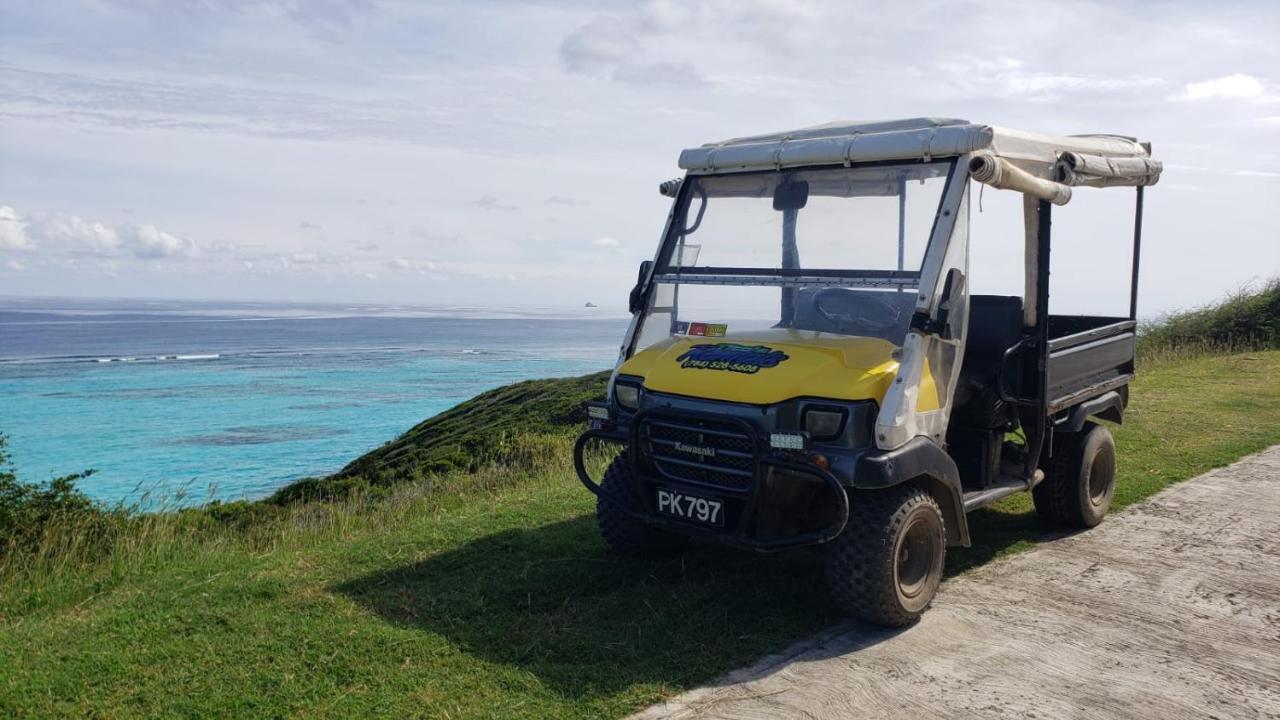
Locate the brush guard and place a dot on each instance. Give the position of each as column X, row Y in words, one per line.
column 745, row 500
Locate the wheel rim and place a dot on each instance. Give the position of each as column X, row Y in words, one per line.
column 916, row 554
column 1100, row 476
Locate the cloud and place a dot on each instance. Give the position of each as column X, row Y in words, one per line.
column 73, row 235
column 13, row 230
column 608, row 46
column 422, row 267
column 325, row 19
column 308, row 225
column 571, row 202
column 304, row 258
column 311, row 258
column 605, row 242
column 489, row 202
column 600, row 45
column 14, row 265
column 72, row 231
column 1236, row 86
column 150, row 242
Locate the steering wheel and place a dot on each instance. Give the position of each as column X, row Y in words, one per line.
column 856, row 312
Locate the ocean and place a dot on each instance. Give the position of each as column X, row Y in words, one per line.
column 185, row 402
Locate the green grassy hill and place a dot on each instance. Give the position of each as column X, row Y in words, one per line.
column 521, row 425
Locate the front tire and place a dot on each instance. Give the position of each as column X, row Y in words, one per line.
column 622, row 533
column 886, row 565
column 1080, row 479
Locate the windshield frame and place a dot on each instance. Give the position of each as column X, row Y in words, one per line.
column 665, row 272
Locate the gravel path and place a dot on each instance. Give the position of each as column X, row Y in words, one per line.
column 1170, row 609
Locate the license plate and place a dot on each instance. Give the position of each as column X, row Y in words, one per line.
column 690, row 507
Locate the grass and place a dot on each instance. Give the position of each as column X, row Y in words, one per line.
column 484, row 594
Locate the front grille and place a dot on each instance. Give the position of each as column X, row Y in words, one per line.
column 703, row 452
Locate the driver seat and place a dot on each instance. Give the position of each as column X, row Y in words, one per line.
column 995, row 325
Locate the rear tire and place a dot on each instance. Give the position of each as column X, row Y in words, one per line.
column 886, row 565
column 1079, row 480
column 622, row 533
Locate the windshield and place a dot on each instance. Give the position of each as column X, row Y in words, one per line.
column 835, row 250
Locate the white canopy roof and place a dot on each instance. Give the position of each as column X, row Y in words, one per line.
column 1042, row 165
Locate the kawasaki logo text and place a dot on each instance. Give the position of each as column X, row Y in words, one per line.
column 706, row 452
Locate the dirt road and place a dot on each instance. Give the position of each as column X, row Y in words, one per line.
column 1170, row 609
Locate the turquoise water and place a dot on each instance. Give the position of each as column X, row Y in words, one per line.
column 195, row 403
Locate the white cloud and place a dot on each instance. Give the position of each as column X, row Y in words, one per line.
column 148, row 241
column 73, row 231
column 14, row 265
column 422, row 267
column 62, row 234
column 600, row 45
column 605, row 242
column 613, row 46
column 13, row 230
column 1230, row 86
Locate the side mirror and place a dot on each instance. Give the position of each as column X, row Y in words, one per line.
column 636, row 302
column 791, row 195
column 952, row 294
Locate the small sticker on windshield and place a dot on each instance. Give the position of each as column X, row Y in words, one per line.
column 699, row 329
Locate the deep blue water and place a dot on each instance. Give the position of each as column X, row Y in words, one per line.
column 196, row 401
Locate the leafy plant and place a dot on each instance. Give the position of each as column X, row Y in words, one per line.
column 1245, row 320
column 26, row 509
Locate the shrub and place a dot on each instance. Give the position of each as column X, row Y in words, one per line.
column 1246, row 320
column 26, row 509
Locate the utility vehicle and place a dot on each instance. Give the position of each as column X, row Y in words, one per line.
column 805, row 364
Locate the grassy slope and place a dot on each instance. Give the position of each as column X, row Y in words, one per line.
column 516, row 425
column 486, row 598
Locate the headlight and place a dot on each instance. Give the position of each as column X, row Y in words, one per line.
column 823, row 424
column 628, row 396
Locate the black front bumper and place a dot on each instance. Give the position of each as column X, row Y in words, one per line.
column 743, row 500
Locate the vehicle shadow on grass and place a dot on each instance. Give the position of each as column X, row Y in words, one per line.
column 554, row 602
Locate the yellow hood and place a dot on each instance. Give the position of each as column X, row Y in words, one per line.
column 771, row 366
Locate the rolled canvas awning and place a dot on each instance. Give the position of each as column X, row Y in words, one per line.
column 1045, row 166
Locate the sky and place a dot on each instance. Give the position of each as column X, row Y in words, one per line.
column 499, row 153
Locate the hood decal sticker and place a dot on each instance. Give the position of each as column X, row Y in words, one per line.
column 731, row 356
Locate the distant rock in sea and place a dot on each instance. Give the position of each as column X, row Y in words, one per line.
column 590, row 304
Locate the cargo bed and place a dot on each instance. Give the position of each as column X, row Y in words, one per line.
column 1088, row 356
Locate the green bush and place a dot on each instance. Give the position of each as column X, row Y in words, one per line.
column 26, row 509
column 1245, row 320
